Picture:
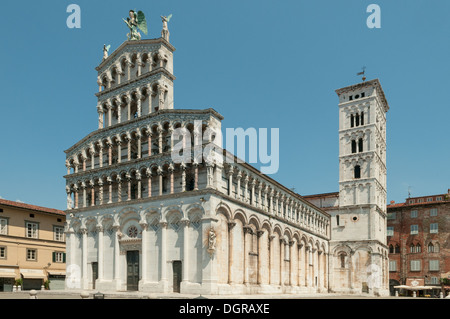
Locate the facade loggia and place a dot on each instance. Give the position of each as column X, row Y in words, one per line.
column 139, row 220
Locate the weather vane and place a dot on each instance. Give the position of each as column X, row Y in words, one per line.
column 362, row 73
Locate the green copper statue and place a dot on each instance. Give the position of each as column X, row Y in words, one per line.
column 134, row 22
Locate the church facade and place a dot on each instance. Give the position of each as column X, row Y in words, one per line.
column 140, row 219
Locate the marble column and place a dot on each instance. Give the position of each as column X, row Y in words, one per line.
column 271, row 259
column 149, row 139
column 183, row 177
column 163, row 251
column 128, row 177
column 139, row 145
column 119, row 189
column 195, row 176
column 139, row 185
column 149, row 182
column 109, row 190
column 100, row 119
column 84, row 258
column 247, row 237
column 100, row 252
column 230, row 180
column 139, row 103
column 260, row 234
column 231, row 225
column 100, row 192
column 171, row 170
column 185, row 263
column 160, row 175
column 116, row 260
column 76, row 189
column 100, row 155
column 83, row 186
column 144, row 249
column 282, row 243
column 238, row 186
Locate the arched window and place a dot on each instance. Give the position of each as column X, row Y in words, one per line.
column 412, row 248
column 391, row 249
column 342, row 259
column 360, row 145
column 430, row 248
column 357, row 120
column 352, row 121
column 418, row 248
column 353, row 146
column 357, row 171
column 397, row 249
column 362, row 118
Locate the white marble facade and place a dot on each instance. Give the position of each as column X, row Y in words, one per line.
column 200, row 226
column 138, row 220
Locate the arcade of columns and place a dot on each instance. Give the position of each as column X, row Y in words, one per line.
column 128, row 161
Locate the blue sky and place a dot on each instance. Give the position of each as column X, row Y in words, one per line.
column 261, row 64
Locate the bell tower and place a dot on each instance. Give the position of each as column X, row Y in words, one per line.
column 359, row 225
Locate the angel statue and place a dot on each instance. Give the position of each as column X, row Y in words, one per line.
column 134, row 22
column 165, row 31
column 105, row 50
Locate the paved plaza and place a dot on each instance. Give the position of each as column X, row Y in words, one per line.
column 44, row 294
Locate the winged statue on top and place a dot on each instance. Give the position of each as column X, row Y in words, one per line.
column 135, row 22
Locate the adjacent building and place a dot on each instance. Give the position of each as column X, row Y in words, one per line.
column 32, row 246
column 419, row 242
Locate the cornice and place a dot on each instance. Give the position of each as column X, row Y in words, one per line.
column 144, row 78
column 142, row 122
column 361, row 85
column 195, row 193
column 133, row 44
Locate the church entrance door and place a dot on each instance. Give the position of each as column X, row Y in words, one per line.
column 132, row 270
column 176, row 275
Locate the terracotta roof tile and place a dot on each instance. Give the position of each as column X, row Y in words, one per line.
column 31, row 207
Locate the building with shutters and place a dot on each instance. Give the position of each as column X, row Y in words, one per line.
column 418, row 233
column 32, row 246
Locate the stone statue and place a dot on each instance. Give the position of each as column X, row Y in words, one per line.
column 134, row 22
column 211, row 240
column 165, row 31
column 69, row 203
column 105, row 50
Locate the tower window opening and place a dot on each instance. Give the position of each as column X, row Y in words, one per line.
column 342, row 259
column 362, row 118
column 357, row 171
column 363, row 94
column 357, row 120
column 337, row 220
column 353, row 146
column 352, row 121
column 350, row 97
column 360, row 145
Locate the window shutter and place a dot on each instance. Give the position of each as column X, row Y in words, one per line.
column 54, row 256
column 64, row 257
